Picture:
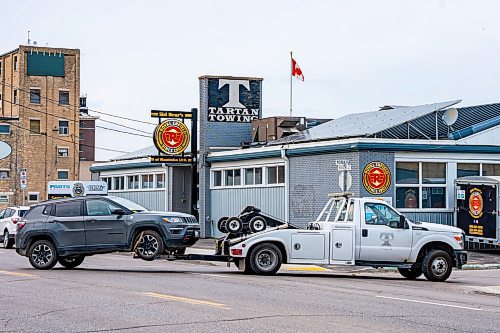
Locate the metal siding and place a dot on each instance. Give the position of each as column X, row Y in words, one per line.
column 433, row 217
column 230, row 202
column 152, row 200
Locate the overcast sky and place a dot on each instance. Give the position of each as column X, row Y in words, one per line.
column 355, row 55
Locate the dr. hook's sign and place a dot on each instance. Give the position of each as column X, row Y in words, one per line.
column 233, row 100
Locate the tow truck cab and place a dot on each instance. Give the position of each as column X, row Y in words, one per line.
column 356, row 231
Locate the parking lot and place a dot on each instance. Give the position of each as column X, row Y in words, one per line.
column 114, row 292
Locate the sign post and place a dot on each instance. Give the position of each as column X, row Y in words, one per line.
column 23, row 178
column 172, row 137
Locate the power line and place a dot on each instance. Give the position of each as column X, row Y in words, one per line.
column 115, row 130
column 112, row 122
column 72, row 142
column 71, row 120
column 68, row 106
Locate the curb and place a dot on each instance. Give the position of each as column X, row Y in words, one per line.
column 472, row 267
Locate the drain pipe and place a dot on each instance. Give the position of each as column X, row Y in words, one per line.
column 287, row 183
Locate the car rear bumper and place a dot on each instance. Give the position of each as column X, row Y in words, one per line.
column 460, row 258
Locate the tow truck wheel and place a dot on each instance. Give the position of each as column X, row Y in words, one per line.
column 265, row 259
column 437, row 265
column 234, row 225
column 257, row 224
column 221, row 224
column 410, row 273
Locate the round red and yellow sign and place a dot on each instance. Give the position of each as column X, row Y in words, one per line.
column 376, row 178
column 476, row 203
column 171, row 137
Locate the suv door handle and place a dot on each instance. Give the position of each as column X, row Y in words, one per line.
column 53, row 221
column 91, row 220
column 364, row 232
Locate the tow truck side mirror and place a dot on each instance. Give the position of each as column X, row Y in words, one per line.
column 402, row 221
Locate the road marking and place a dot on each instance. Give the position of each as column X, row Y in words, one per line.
column 307, row 268
column 186, row 300
column 213, row 275
column 432, row 303
column 17, row 274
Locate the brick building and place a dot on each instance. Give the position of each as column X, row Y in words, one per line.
column 39, row 92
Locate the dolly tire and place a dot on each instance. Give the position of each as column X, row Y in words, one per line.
column 410, row 273
column 266, row 259
column 234, row 225
column 71, row 262
column 257, row 224
column 437, row 266
column 221, row 224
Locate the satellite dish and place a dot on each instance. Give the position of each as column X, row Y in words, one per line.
column 450, row 116
column 5, row 150
column 35, row 43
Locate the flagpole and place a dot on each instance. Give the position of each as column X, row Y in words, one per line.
column 291, row 75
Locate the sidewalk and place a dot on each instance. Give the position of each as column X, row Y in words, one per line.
column 477, row 259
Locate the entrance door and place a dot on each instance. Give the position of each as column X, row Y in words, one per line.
column 67, row 224
column 102, row 227
column 381, row 239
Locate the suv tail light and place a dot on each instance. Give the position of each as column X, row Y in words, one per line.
column 20, row 225
column 15, row 220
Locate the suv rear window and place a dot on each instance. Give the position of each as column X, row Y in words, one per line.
column 22, row 212
column 68, row 209
column 33, row 213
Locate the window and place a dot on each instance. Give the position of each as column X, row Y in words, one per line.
column 63, row 127
column 160, row 180
column 253, row 176
column 380, row 214
column 232, row 177
column 68, row 209
column 491, row 169
column 4, row 173
column 147, row 181
column 98, row 208
column 34, row 126
column 217, row 178
column 4, row 129
column 35, row 96
column 15, row 63
column 4, row 198
column 276, row 175
column 33, row 196
column 118, row 183
column 62, row 152
column 133, row 182
column 36, row 212
column 15, row 96
column 467, row 169
column 420, row 185
column 1, row 67
column 107, row 180
column 62, row 174
column 63, row 97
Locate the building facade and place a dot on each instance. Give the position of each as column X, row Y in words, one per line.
column 39, row 92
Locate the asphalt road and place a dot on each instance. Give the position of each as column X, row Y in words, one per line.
column 113, row 293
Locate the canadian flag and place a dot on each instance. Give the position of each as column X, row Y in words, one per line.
column 296, row 71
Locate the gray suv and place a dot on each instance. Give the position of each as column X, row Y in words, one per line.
column 67, row 230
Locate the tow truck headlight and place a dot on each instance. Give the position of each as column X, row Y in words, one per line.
column 459, row 237
column 172, row 219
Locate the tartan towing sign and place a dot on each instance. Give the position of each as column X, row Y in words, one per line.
column 172, row 136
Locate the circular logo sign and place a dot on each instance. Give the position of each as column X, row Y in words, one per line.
column 78, row 190
column 476, row 203
column 171, row 137
column 376, row 177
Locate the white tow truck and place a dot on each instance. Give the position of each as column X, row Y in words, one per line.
column 353, row 231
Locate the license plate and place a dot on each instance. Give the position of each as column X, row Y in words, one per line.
column 196, row 233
